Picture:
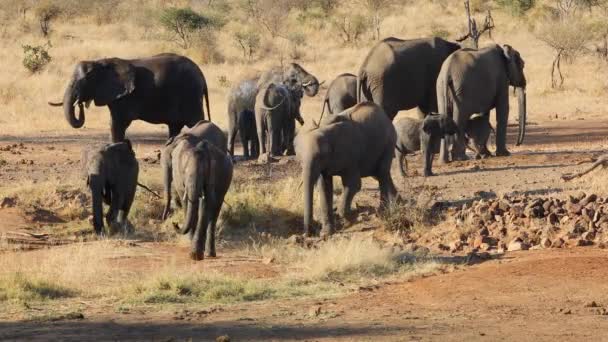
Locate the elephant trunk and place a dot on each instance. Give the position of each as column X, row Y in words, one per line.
column 69, row 100
column 311, row 86
column 96, row 184
column 521, row 99
column 193, row 197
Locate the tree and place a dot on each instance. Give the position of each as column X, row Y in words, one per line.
column 183, row 23
column 474, row 34
column 350, row 27
column 249, row 41
column 46, row 12
column 376, row 9
column 269, row 14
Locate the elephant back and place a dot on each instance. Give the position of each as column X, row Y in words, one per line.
column 206, row 130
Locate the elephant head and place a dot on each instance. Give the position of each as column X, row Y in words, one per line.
column 102, row 81
column 296, row 76
column 439, row 124
column 517, row 78
column 273, row 97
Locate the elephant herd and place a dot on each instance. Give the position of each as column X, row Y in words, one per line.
column 454, row 89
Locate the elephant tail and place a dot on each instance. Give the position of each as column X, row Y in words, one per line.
column 206, row 99
column 325, row 103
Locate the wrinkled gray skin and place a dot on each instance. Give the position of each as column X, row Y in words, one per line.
column 111, row 173
column 242, row 95
column 163, row 89
column 275, row 113
column 340, row 147
column 248, row 134
column 414, row 135
column 199, row 174
column 477, row 81
column 401, row 74
column 341, row 94
column 478, row 132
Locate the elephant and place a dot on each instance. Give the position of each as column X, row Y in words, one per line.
column 209, row 131
column 476, row 81
column 111, row 172
column 162, row 89
column 199, row 174
column 341, row 94
column 276, row 108
column 478, row 131
column 242, row 96
column 248, row 134
column 426, row 135
column 400, row 74
column 341, row 146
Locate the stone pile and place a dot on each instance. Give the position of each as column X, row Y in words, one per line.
column 524, row 222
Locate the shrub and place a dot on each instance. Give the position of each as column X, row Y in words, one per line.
column 249, row 41
column 35, row 58
column 350, row 27
column 516, row 7
column 183, row 23
column 296, row 41
column 46, row 12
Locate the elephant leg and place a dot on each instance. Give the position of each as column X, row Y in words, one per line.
column 197, row 237
column 388, row 192
column 352, row 184
column 274, row 133
column 326, row 187
column 97, row 194
column 502, row 119
column 245, row 143
column 289, row 136
column 117, row 200
column 261, row 135
column 231, row 138
column 118, row 129
column 444, row 151
column 427, row 148
column 459, row 146
column 123, row 213
column 213, row 212
column 255, row 147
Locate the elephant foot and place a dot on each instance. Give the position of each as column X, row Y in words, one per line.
column 326, row 232
column 197, row 256
column 460, row 157
column 308, row 232
column 211, row 254
column 503, row 153
column 290, row 152
column 428, row 174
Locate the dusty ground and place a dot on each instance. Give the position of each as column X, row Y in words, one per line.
column 535, row 295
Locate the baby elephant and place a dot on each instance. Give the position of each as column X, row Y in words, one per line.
column 200, row 174
column 478, row 131
column 414, row 135
column 112, row 178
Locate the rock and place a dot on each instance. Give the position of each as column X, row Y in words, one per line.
column 580, row 195
column 295, row 240
column 455, row 246
column 517, row 245
column 545, row 243
column 268, row 261
column 588, row 236
column 552, row 219
column 547, row 206
column 589, row 199
column 574, row 208
column 559, row 243
column 485, row 246
column 591, row 304
column 223, row 338
column 315, row 311
column 8, row 202
column 484, row 232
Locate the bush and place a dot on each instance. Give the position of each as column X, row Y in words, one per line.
column 516, row 7
column 350, row 27
column 45, row 12
column 184, row 23
column 35, row 58
column 249, row 41
column 296, row 41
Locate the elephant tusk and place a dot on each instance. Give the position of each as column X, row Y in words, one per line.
column 320, row 84
column 307, row 84
column 55, row 104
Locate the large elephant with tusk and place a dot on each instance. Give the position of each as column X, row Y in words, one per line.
column 163, row 89
column 476, row 81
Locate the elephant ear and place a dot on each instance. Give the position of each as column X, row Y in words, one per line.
column 271, row 87
column 116, row 78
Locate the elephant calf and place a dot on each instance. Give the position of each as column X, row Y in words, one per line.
column 414, row 135
column 341, row 94
column 199, row 174
column 478, row 131
column 357, row 143
column 112, row 178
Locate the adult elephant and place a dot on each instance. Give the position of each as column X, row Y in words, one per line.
column 341, row 146
column 243, row 94
column 476, row 81
column 162, row 89
column 341, row 94
column 401, row 74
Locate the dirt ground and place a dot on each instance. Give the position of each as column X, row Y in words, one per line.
column 542, row 295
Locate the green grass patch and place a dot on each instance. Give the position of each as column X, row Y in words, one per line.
column 19, row 287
